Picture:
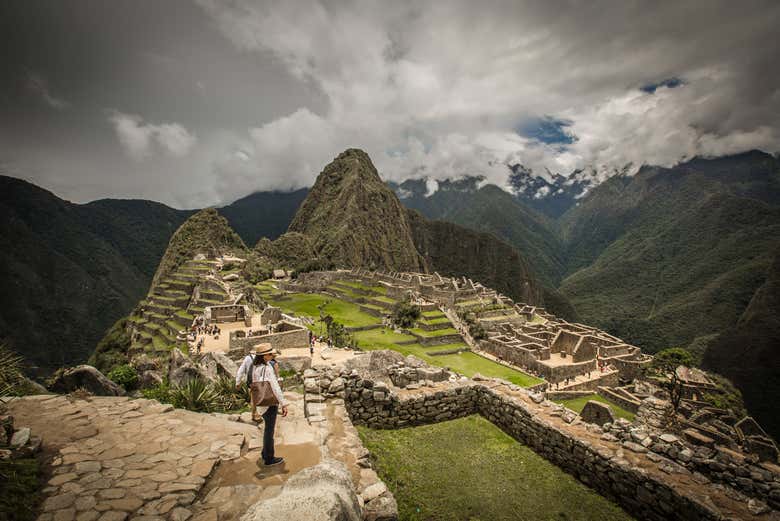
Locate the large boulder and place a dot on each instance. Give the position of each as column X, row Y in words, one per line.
column 216, row 365
column 85, row 377
column 597, row 412
column 182, row 369
column 320, row 493
column 149, row 379
column 145, row 363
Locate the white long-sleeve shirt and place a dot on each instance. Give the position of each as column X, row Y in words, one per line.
column 243, row 371
column 266, row 373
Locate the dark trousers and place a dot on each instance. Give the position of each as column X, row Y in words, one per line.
column 269, row 425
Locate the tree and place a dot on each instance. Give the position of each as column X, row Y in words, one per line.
column 668, row 360
column 665, row 364
column 405, row 314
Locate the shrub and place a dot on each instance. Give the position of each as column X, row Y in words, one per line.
column 21, row 481
column 256, row 270
column 161, row 393
column 667, row 360
column 124, row 375
column 405, row 314
column 476, row 331
column 230, row 398
column 201, row 396
column 195, row 395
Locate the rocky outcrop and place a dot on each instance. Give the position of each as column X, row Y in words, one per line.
column 182, row 369
column 217, row 365
column 320, row 493
column 85, row 377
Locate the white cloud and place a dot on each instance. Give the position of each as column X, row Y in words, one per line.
column 438, row 89
column 137, row 138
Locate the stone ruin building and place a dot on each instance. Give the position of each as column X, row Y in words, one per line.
column 569, row 356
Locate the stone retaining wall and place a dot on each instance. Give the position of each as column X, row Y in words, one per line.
column 622, row 401
column 281, row 341
column 643, row 494
column 566, row 395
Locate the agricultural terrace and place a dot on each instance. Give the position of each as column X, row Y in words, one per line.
column 523, row 485
column 414, row 342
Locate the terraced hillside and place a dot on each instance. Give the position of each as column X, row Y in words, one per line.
column 172, row 304
column 361, row 309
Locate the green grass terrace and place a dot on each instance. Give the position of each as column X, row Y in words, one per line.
column 350, row 315
column 469, row 469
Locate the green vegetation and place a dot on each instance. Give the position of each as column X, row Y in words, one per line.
column 405, row 314
column 492, row 210
column 307, row 304
column 667, row 360
column 469, row 364
column 466, row 363
column 111, row 351
column 449, row 250
column 21, row 481
column 435, row 333
column 124, row 375
column 576, row 405
column 522, row 484
column 200, row 396
column 340, row 217
column 206, row 233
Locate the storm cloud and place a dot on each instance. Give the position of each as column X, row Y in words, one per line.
column 199, row 104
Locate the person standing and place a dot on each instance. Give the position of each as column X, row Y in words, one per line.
column 263, row 371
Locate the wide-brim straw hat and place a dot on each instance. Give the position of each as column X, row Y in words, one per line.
column 264, row 349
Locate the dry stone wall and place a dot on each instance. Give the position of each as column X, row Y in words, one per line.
column 646, row 495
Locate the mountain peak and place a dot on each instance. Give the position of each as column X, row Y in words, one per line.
column 205, row 232
column 354, row 219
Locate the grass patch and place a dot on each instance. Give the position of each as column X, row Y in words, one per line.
column 435, row 333
column 576, row 405
column 466, row 363
column 519, row 483
column 344, row 312
column 183, row 314
column 437, row 320
column 20, row 486
column 159, row 342
column 432, row 314
column 469, row 363
column 357, row 285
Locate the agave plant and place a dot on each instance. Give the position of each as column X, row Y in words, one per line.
column 230, row 398
column 10, row 371
column 195, row 395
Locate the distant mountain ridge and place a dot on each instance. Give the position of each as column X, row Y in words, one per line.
column 352, row 218
column 665, row 257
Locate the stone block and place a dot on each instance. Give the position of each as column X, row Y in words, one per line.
column 597, row 412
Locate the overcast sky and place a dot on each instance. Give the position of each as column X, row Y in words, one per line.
column 200, row 103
